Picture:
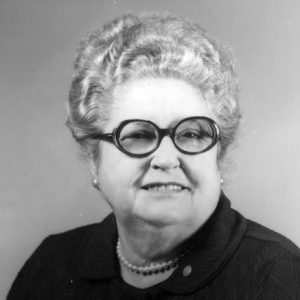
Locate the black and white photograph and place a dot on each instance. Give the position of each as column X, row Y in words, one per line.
column 149, row 149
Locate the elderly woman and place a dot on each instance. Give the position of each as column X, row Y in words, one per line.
column 153, row 104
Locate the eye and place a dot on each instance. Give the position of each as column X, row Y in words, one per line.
column 192, row 134
column 139, row 135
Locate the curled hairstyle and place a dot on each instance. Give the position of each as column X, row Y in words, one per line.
column 150, row 45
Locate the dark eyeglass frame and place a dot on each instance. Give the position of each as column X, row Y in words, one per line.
column 114, row 136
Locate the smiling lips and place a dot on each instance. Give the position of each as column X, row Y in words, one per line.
column 162, row 187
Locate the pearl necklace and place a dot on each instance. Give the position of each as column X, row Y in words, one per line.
column 152, row 268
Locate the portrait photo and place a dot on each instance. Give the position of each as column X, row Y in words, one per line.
column 150, row 149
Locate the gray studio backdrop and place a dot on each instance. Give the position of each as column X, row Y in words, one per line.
column 44, row 186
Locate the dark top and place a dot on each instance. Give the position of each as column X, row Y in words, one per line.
column 230, row 258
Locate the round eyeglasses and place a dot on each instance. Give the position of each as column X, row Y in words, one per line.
column 140, row 138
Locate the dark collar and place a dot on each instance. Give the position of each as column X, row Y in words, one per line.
column 213, row 245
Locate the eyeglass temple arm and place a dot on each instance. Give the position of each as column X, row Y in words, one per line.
column 102, row 136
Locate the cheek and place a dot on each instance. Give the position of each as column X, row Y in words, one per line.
column 110, row 158
column 109, row 173
column 207, row 186
column 117, row 173
column 110, row 167
column 112, row 184
column 203, row 169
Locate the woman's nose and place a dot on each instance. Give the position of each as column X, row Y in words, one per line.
column 165, row 156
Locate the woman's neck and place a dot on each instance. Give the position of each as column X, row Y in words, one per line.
column 145, row 245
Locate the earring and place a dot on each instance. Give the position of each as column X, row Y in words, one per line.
column 222, row 181
column 96, row 184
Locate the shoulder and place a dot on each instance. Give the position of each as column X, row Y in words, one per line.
column 57, row 257
column 275, row 260
column 265, row 263
column 72, row 241
column 79, row 235
column 263, row 236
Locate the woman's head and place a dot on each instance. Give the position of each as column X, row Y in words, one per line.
column 150, row 46
column 160, row 69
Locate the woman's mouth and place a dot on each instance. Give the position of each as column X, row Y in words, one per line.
column 164, row 187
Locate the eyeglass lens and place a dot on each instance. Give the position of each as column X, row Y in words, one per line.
column 193, row 135
column 138, row 137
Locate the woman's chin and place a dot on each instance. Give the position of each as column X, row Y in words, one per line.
column 165, row 212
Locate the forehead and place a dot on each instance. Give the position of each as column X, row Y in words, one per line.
column 160, row 100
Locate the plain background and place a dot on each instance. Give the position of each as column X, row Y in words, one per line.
column 45, row 188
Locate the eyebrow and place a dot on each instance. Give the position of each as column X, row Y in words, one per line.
column 171, row 125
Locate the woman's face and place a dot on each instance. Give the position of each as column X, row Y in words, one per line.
column 122, row 178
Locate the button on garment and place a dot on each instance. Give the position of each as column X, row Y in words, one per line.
column 187, row 270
